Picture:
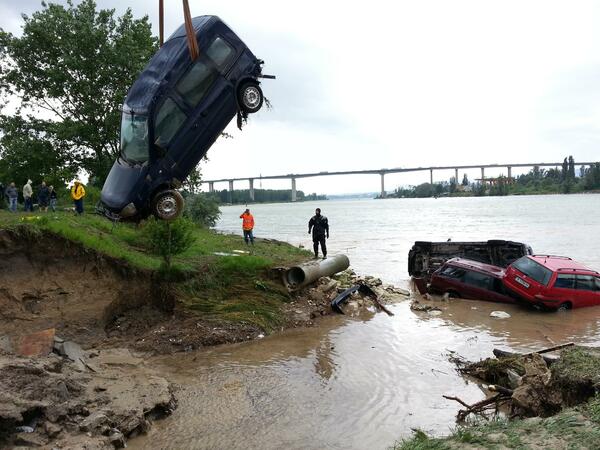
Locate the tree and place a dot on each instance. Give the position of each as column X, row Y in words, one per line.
column 452, row 186
column 465, row 181
column 168, row 239
column 75, row 63
column 203, row 210
column 27, row 151
column 571, row 173
column 565, row 170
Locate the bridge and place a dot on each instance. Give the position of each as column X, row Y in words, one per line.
column 381, row 172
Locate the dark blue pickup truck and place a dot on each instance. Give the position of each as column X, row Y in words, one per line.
column 173, row 113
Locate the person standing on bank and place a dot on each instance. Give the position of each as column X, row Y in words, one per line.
column 77, row 194
column 27, row 194
column 248, row 226
column 43, row 197
column 53, row 199
column 12, row 194
column 320, row 228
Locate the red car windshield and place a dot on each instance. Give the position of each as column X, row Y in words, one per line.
column 533, row 270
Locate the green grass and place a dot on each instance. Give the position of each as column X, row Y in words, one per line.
column 574, row 428
column 578, row 364
column 221, row 283
column 236, row 289
column 124, row 241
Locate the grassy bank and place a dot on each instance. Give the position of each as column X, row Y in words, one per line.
column 574, row 428
column 224, row 279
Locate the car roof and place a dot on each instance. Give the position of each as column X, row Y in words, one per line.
column 470, row 264
column 560, row 263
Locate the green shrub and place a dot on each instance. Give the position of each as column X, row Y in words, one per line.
column 168, row 239
column 202, row 210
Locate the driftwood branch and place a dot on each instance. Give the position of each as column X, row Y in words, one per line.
column 479, row 407
column 380, row 306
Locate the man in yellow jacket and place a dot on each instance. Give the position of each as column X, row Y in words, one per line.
column 77, row 194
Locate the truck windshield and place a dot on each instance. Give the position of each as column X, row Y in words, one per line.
column 533, row 270
column 134, row 138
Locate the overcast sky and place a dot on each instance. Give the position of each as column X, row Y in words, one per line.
column 402, row 84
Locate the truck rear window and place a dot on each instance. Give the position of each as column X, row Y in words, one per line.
column 533, row 270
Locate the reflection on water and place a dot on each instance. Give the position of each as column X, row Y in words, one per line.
column 357, row 383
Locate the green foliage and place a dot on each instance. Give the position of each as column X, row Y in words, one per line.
column 202, row 209
column 77, row 63
column 242, row 196
column 27, row 153
column 591, row 180
column 167, row 239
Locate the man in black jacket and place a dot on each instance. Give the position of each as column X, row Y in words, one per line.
column 320, row 228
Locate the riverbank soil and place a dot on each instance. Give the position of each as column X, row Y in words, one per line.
column 52, row 400
column 81, row 305
column 551, row 402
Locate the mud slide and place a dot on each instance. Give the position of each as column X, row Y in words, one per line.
column 47, row 282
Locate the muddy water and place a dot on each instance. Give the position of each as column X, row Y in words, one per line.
column 349, row 383
column 364, row 382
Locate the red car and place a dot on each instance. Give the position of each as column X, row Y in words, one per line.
column 468, row 279
column 553, row 282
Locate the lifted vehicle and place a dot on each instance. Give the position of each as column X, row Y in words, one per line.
column 174, row 112
column 468, row 279
column 553, row 282
column 426, row 257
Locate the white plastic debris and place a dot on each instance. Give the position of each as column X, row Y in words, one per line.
column 500, row 314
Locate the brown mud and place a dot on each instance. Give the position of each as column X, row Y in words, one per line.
column 49, row 401
column 118, row 315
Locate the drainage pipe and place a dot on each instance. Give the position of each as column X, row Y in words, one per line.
column 303, row 274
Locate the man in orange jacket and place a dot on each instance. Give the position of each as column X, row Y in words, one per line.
column 247, row 226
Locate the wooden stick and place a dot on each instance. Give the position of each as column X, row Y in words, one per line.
column 456, row 399
column 551, row 349
column 380, row 306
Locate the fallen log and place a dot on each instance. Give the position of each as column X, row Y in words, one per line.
column 549, row 360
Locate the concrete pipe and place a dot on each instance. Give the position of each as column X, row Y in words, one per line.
column 303, row 274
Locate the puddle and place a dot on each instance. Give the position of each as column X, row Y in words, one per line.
column 349, row 383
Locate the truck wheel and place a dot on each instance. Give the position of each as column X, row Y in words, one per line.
column 250, row 97
column 564, row 307
column 167, row 205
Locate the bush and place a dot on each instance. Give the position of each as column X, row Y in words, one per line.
column 168, row 239
column 202, row 210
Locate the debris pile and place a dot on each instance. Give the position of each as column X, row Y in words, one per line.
column 534, row 384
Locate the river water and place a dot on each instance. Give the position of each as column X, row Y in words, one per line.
column 363, row 382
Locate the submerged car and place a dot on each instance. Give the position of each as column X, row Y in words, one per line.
column 553, row 282
column 174, row 112
column 468, row 279
column 424, row 257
